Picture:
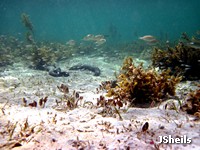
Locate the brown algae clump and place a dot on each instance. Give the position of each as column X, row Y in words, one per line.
column 27, row 22
column 183, row 59
column 141, row 87
column 192, row 105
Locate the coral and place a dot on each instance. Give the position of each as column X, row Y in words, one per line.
column 141, row 87
column 192, row 105
column 183, row 59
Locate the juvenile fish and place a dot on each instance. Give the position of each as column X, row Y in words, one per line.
column 149, row 39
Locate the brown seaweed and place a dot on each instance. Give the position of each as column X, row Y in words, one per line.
column 192, row 105
column 140, row 87
column 183, row 59
column 27, row 22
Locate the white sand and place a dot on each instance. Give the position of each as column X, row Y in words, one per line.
column 56, row 127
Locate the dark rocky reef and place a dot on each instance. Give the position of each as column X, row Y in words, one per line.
column 95, row 70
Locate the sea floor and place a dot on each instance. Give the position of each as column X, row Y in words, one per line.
column 58, row 128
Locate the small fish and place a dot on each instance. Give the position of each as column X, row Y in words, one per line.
column 89, row 37
column 29, row 46
column 185, row 66
column 195, row 40
column 147, row 38
column 193, row 45
column 98, row 37
column 71, row 43
column 100, row 42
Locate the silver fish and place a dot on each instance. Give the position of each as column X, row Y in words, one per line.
column 194, row 45
column 89, row 37
column 149, row 39
column 71, row 43
column 100, row 42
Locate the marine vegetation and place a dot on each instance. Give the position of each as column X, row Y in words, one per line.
column 192, row 105
column 183, row 59
column 41, row 102
column 29, row 27
column 139, row 87
column 16, row 133
column 37, row 55
column 5, row 57
column 10, row 50
column 27, row 22
column 68, row 101
column 63, row 51
column 41, row 57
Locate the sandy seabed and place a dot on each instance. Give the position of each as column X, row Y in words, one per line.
column 57, row 128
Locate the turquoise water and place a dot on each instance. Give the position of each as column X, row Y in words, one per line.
column 125, row 20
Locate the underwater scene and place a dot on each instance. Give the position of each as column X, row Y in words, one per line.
column 99, row 74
